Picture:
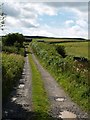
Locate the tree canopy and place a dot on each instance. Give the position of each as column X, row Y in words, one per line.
column 13, row 39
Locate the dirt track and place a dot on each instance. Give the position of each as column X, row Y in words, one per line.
column 19, row 104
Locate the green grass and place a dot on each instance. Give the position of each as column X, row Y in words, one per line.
column 39, row 96
column 76, row 91
column 79, row 49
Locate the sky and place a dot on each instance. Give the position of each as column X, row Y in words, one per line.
column 52, row 19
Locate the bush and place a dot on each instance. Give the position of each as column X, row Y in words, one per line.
column 61, row 50
column 13, row 49
column 11, row 39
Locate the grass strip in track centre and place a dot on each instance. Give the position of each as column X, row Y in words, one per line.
column 39, row 96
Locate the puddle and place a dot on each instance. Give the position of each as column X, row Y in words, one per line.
column 60, row 99
column 6, row 113
column 21, row 85
column 13, row 99
column 23, row 73
column 67, row 114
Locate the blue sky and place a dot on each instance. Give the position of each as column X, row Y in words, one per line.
column 54, row 19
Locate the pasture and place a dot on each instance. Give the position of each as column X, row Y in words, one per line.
column 79, row 49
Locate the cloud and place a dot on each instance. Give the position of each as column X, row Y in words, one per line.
column 40, row 8
column 46, row 1
column 69, row 22
column 24, row 17
column 12, row 22
column 28, row 23
column 82, row 23
column 82, row 6
column 11, row 9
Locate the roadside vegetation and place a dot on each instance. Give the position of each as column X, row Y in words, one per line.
column 70, row 73
column 12, row 62
column 39, row 96
column 12, row 66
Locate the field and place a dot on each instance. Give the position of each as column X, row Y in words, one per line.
column 79, row 49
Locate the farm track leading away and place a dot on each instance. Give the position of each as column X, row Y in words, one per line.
column 61, row 104
column 19, row 104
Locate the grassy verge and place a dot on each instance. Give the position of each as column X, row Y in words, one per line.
column 39, row 96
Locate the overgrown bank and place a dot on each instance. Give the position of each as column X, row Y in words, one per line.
column 72, row 75
column 12, row 66
column 12, row 61
column 39, row 96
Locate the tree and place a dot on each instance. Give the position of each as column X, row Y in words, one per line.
column 15, row 39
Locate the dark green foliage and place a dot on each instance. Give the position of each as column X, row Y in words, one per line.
column 61, row 50
column 13, row 38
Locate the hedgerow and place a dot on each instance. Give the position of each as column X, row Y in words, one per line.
column 13, row 49
column 12, row 65
column 72, row 75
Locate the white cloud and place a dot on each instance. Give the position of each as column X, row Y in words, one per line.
column 69, row 22
column 81, row 6
column 24, row 17
column 46, row 1
column 12, row 22
column 82, row 23
column 11, row 9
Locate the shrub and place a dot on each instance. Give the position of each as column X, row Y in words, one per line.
column 11, row 39
column 61, row 50
column 13, row 49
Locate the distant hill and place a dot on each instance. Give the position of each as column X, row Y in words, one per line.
column 41, row 37
column 54, row 37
